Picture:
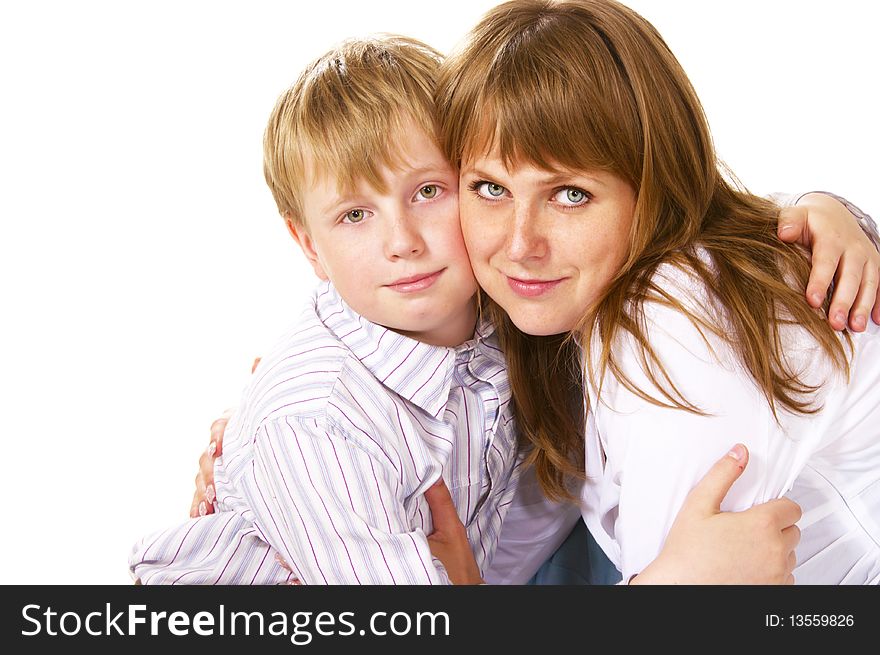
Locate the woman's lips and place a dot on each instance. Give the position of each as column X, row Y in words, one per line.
column 415, row 283
column 532, row 288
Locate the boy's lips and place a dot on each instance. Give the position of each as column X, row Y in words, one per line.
column 415, row 283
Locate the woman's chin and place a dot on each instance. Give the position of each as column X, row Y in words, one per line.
column 538, row 326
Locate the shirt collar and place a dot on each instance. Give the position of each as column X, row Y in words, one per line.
column 419, row 372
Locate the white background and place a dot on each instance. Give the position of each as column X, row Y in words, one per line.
column 142, row 262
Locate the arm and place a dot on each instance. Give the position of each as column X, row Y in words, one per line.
column 334, row 508
column 844, row 244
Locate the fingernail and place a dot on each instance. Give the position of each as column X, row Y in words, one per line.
column 203, row 509
column 212, row 448
column 785, row 228
column 817, row 298
column 737, row 452
column 840, row 317
column 209, row 493
column 859, row 322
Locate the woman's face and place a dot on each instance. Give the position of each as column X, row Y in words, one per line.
column 544, row 245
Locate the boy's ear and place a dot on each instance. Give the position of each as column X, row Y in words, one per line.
column 301, row 236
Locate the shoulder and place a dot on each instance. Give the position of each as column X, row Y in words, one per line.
column 298, row 374
column 313, row 385
column 677, row 314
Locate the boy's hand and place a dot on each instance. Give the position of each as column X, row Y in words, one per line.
column 708, row 546
column 449, row 541
column 204, row 496
column 841, row 252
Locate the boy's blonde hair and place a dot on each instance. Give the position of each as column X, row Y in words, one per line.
column 344, row 114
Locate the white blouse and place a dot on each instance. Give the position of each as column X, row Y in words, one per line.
column 643, row 459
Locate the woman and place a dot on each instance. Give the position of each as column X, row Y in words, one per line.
column 593, row 206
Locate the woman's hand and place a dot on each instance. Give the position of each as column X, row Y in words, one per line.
column 708, row 546
column 841, row 252
column 448, row 541
column 204, row 496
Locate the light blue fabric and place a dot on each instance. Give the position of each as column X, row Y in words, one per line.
column 578, row 561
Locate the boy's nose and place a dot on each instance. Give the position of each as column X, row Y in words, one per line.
column 403, row 240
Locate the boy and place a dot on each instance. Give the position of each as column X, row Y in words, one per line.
column 383, row 385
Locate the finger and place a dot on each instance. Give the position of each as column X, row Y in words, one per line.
column 199, row 506
column 858, row 316
column 824, row 267
column 792, row 562
column 849, row 279
column 218, row 428
column 876, row 313
column 782, row 512
column 256, row 362
column 792, row 225
column 789, row 580
column 206, row 469
column 200, row 484
column 791, row 537
column 194, row 507
column 706, row 497
column 443, row 513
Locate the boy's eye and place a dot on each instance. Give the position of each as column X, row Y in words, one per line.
column 488, row 190
column 571, row 197
column 429, row 191
column 354, row 216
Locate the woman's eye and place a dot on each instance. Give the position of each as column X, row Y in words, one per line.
column 571, row 197
column 429, row 191
column 490, row 190
column 354, row 216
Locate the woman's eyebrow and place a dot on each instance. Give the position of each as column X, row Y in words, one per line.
column 476, row 172
column 566, row 177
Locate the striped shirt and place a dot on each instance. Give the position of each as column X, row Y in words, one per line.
column 342, row 428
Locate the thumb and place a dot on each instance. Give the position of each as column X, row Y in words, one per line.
column 706, row 497
column 443, row 513
column 791, row 225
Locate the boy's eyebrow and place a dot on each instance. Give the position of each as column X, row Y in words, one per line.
column 433, row 168
column 337, row 203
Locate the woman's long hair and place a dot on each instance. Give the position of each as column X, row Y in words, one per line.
column 590, row 84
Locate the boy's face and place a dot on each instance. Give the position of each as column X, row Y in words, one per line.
column 397, row 258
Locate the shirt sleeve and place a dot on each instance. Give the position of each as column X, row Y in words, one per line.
column 221, row 548
column 332, row 509
column 655, row 455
